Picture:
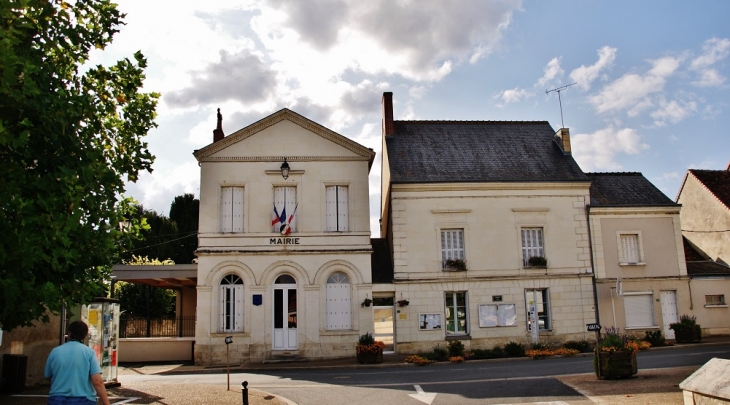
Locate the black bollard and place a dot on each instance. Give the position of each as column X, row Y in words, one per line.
column 244, row 392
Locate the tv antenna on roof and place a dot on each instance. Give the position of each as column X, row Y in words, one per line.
column 558, row 90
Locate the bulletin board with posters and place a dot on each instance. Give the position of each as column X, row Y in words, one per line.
column 429, row 321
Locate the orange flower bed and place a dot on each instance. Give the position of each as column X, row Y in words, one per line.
column 456, row 359
column 376, row 347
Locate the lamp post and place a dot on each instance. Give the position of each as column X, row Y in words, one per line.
column 285, row 170
column 229, row 340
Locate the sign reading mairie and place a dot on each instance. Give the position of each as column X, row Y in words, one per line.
column 283, row 241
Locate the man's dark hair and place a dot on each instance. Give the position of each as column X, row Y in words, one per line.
column 77, row 330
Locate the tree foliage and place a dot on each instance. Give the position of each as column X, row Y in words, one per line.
column 68, row 141
column 184, row 212
column 144, row 300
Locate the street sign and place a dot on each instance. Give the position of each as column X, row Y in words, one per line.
column 593, row 327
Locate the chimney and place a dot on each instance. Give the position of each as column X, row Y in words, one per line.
column 562, row 137
column 388, row 126
column 218, row 132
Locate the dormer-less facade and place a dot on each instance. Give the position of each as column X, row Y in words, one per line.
column 284, row 242
column 641, row 275
column 487, row 226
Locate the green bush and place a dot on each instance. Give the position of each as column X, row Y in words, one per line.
column 366, row 339
column 438, row 353
column 581, row 345
column 456, row 348
column 482, row 354
column 498, row 351
column 514, row 349
column 655, row 338
column 541, row 345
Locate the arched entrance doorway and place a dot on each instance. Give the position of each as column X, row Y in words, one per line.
column 285, row 313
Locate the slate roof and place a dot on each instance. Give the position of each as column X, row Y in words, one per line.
column 625, row 190
column 478, row 151
column 699, row 264
column 381, row 266
column 717, row 181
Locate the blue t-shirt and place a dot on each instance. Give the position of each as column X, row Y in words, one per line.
column 70, row 367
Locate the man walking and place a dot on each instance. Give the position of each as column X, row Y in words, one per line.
column 74, row 371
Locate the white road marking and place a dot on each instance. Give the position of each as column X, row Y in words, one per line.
column 422, row 396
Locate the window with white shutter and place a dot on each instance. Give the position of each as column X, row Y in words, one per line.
column 452, row 245
column 338, row 302
column 231, row 209
column 629, row 248
column 337, row 211
column 639, row 310
column 532, row 244
column 230, row 297
column 285, row 201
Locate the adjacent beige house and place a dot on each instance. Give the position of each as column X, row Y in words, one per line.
column 705, row 199
column 709, row 285
column 486, row 222
column 284, row 252
column 641, row 277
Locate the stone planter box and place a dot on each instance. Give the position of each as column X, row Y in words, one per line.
column 620, row 364
column 688, row 335
column 368, row 357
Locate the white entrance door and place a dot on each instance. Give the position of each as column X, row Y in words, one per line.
column 383, row 328
column 669, row 312
column 285, row 314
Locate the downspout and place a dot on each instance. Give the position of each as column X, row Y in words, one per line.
column 593, row 267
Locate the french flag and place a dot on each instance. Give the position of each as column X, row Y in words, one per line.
column 286, row 226
column 278, row 219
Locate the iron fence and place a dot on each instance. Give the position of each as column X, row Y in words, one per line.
column 136, row 327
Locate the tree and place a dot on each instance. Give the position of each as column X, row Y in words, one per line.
column 184, row 212
column 68, row 141
column 154, row 242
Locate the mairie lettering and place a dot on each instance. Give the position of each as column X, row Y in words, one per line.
column 283, row 241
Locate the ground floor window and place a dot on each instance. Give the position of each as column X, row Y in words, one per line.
column 639, row 309
column 456, row 315
column 538, row 301
column 715, row 299
column 230, row 296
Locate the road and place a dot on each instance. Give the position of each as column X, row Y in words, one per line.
column 508, row 382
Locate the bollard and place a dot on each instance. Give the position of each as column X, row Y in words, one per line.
column 244, row 392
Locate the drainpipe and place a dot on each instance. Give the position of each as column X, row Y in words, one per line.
column 593, row 267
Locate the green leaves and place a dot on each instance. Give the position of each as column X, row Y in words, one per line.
column 68, row 142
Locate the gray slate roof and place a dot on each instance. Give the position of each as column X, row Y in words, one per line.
column 478, row 151
column 625, row 190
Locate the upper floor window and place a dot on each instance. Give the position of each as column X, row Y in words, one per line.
column 532, row 246
column 337, row 212
column 230, row 296
column 284, row 218
column 452, row 246
column 231, row 209
column 630, row 248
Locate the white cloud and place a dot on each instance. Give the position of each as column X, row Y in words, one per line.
column 552, row 70
column 599, row 150
column 632, row 91
column 709, row 78
column 585, row 75
column 714, row 50
column 170, row 179
column 513, row 95
column 673, row 111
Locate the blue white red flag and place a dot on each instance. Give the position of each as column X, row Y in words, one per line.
column 278, row 219
column 286, row 226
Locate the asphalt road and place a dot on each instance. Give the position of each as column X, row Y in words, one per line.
column 507, row 382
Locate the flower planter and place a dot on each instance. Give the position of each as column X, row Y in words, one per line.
column 688, row 334
column 616, row 364
column 370, row 356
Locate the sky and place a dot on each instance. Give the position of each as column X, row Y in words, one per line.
column 651, row 92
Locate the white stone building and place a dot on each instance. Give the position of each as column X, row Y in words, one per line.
column 284, row 256
column 465, row 205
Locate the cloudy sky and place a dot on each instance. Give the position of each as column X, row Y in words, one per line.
column 651, row 94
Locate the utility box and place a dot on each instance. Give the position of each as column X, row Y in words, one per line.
column 15, row 367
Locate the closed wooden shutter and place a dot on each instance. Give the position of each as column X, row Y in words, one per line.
column 285, row 199
column 238, row 308
column 531, row 244
column 237, row 210
column 331, row 201
column 452, row 244
column 630, row 248
column 338, row 302
column 226, row 209
column 342, row 217
column 639, row 310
